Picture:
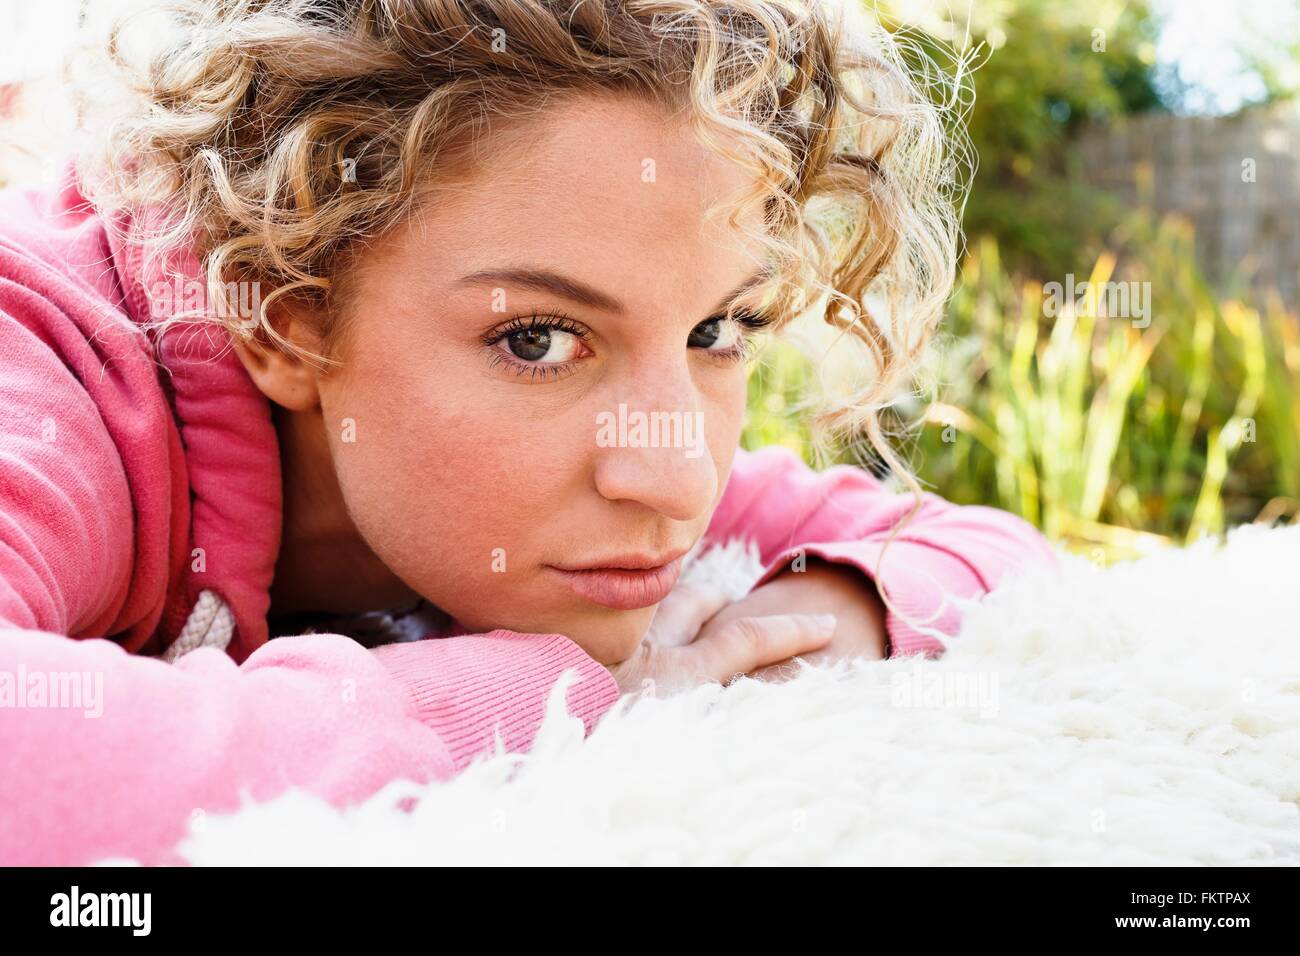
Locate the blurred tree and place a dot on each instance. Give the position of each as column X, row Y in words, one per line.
column 1043, row 70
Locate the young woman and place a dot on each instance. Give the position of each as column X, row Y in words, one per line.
column 437, row 245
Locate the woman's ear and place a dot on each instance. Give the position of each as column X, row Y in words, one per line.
column 281, row 375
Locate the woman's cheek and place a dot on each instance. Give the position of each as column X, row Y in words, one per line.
column 725, row 421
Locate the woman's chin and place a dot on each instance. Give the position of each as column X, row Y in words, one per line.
column 609, row 637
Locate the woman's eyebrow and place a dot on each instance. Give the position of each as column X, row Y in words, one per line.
column 556, row 283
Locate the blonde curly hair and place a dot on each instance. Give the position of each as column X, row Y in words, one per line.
column 283, row 133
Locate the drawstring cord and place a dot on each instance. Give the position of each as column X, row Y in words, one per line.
column 210, row 624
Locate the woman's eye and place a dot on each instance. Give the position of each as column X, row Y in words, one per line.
column 716, row 335
column 543, row 345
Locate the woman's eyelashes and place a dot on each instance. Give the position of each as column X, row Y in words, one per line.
column 729, row 339
column 537, row 345
column 550, row 344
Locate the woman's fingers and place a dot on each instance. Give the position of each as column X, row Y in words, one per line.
column 748, row 643
column 682, row 614
column 725, row 651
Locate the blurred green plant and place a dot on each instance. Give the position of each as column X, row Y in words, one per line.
column 1043, row 70
column 776, row 385
column 1114, row 435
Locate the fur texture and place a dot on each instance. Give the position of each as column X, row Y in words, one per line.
column 1145, row 713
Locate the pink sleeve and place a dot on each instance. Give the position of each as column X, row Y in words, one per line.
column 107, row 753
column 136, row 748
column 844, row 515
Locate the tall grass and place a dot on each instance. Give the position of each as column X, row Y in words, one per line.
column 1113, row 433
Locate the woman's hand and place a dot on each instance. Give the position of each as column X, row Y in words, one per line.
column 822, row 588
column 688, row 614
column 769, row 626
column 684, row 647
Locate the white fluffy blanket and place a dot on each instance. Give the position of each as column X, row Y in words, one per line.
column 1145, row 713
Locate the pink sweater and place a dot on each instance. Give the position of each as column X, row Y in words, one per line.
column 115, row 467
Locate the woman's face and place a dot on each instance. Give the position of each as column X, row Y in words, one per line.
column 503, row 348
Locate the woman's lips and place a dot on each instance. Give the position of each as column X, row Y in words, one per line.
column 623, row 589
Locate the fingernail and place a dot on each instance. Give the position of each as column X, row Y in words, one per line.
column 826, row 622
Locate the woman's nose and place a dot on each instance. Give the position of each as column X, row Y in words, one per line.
column 656, row 455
